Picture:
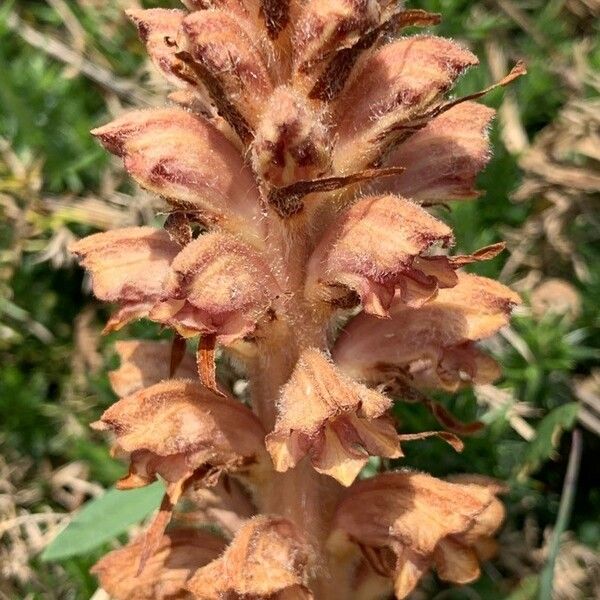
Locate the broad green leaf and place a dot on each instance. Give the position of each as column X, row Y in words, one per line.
column 548, row 436
column 102, row 519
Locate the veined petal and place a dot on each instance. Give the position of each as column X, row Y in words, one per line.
column 231, row 65
column 443, row 159
column 185, row 159
column 217, row 285
column 180, row 554
column 127, row 265
column 392, row 87
column 144, row 363
column 175, row 427
column 268, row 558
column 372, row 249
column 336, row 421
column 420, row 519
column 431, row 344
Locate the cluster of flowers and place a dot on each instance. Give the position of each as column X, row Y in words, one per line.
column 303, row 145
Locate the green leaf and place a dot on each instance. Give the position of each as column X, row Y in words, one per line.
column 548, row 436
column 102, row 519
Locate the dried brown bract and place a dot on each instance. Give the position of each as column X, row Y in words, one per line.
column 305, row 143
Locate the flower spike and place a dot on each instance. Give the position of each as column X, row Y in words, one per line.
column 304, row 143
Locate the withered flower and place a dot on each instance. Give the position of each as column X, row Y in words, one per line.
column 406, row 522
column 268, row 558
column 179, row 555
column 304, row 144
column 338, row 422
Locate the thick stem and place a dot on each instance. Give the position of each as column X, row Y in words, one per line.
column 302, row 495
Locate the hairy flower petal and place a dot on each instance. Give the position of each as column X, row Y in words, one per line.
column 422, row 520
column 180, row 554
column 336, row 421
column 291, row 142
column 175, row 427
column 323, row 30
column 231, row 66
column 442, row 159
column 158, row 29
column 433, row 343
column 185, row 159
column 144, row 363
column 127, row 265
column 373, row 249
column 268, row 558
column 217, row 285
column 392, row 87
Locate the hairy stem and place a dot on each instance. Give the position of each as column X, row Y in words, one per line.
column 302, row 495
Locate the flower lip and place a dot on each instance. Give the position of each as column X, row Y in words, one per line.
column 337, row 422
column 422, row 521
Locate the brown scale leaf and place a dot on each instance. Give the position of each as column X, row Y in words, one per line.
column 144, row 363
column 408, row 522
column 268, row 559
column 327, row 27
column 180, row 553
column 390, row 87
column 334, row 70
column 432, row 345
column 375, row 248
column 337, row 422
column 217, row 285
column 185, row 159
column 232, row 66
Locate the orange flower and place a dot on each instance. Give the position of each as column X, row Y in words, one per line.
column 339, row 423
column 179, row 554
column 268, row 558
column 177, row 428
column 430, row 346
column 406, row 523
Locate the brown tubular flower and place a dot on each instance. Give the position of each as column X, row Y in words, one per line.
column 144, row 363
column 178, row 429
column 179, row 555
column 338, row 422
column 304, row 143
column 432, row 346
column 268, row 558
column 405, row 523
column 128, row 267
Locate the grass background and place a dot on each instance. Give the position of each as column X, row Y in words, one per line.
column 67, row 66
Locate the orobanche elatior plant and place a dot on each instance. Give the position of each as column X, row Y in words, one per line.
column 298, row 159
